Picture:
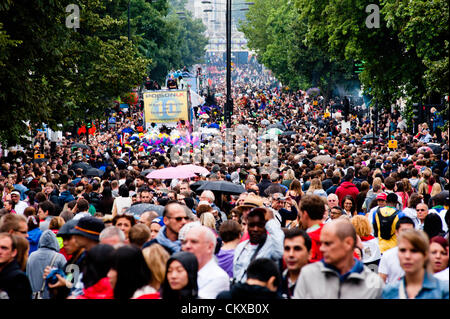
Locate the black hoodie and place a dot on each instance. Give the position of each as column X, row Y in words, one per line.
column 241, row 291
column 15, row 282
column 190, row 291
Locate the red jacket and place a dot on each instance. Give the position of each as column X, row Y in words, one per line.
column 346, row 188
column 316, row 254
column 101, row 290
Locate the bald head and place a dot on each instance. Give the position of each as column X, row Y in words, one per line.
column 208, row 196
column 201, row 241
column 342, row 228
column 147, row 217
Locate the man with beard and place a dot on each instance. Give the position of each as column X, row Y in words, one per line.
column 265, row 241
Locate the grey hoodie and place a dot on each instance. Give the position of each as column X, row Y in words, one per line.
column 41, row 258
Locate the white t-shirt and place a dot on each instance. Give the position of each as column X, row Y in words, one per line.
column 411, row 213
column 390, row 265
column 20, row 207
column 122, row 202
column 442, row 275
column 212, row 280
column 81, row 215
column 371, row 250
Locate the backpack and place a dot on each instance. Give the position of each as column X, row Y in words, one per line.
column 383, row 224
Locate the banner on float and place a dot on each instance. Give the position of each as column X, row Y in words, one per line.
column 166, row 107
column 192, row 82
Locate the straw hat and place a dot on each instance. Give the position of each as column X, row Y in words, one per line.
column 251, row 201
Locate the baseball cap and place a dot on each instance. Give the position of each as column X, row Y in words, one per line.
column 66, row 229
column 89, row 227
column 158, row 220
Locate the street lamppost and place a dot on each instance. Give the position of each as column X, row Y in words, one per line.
column 228, row 109
column 229, row 101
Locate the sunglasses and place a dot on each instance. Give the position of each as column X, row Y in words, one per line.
column 178, row 219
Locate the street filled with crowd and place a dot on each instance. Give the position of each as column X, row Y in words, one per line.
column 306, row 201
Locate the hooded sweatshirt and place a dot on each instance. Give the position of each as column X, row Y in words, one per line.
column 346, row 188
column 244, row 291
column 48, row 246
column 64, row 198
column 33, row 238
column 190, row 291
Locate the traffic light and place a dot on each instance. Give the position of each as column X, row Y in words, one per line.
column 359, row 67
column 89, row 124
column 417, row 112
column 374, row 114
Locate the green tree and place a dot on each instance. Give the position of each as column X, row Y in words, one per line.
column 54, row 74
column 405, row 57
column 170, row 42
column 276, row 31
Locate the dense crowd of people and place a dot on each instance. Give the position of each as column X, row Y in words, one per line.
column 341, row 216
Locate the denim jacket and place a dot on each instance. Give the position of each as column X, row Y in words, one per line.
column 432, row 288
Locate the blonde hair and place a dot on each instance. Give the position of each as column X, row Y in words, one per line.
column 427, row 173
column 377, row 181
column 289, row 175
column 208, row 220
column 316, row 184
column 56, row 222
column 436, row 189
column 423, row 188
column 419, row 240
column 156, row 257
column 362, row 225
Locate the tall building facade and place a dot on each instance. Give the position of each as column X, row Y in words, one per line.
column 212, row 13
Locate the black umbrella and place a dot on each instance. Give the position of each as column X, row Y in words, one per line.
column 222, row 187
column 84, row 166
column 288, row 133
column 280, row 126
column 79, row 145
column 369, row 136
column 94, row 172
column 436, row 148
column 139, row 209
column 196, row 185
